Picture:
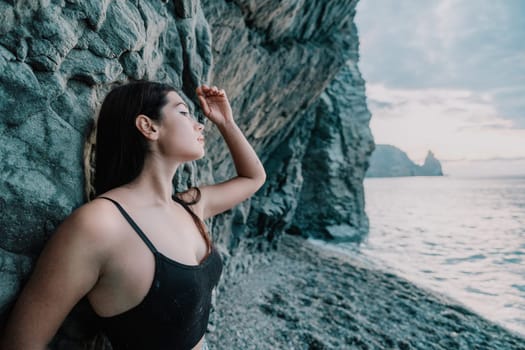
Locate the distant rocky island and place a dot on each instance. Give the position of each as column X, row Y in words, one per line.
column 390, row 161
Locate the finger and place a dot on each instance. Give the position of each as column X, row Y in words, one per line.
column 204, row 105
column 210, row 90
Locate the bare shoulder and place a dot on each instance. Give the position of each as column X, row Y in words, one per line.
column 94, row 225
column 68, row 267
column 98, row 213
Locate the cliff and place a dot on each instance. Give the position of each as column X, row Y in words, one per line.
column 289, row 67
column 390, row 161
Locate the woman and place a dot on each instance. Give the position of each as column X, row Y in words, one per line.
column 140, row 254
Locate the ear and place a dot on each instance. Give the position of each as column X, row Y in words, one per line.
column 147, row 127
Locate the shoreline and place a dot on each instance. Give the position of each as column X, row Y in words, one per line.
column 302, row 296
column 368, row 262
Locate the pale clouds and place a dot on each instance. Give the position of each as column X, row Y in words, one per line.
column 446, row 75
column 454, row 124
column 450, row 44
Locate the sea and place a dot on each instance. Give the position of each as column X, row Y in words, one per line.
column 462, row 237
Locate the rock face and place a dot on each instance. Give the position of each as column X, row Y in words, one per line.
column 390, row 161
column 331, row 201
column 290, row 70
column 431, row 166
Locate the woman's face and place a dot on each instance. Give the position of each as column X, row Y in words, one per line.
column 180, row 135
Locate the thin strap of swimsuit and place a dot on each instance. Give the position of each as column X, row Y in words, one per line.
column 133, row 224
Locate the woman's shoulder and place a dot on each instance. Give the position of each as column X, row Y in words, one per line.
column 91, row 231
column 95, row 220
column 94, row 213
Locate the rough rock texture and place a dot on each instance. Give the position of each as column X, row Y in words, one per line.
column 390, row 161
column 57, row 61
column 277, row 59
column 282, row 64
column 331, row 202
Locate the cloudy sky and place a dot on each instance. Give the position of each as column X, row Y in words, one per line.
column 449, row 76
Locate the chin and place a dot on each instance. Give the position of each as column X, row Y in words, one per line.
column 190, row 157
column 200, row 155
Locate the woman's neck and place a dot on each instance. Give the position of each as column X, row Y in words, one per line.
column 155, row 181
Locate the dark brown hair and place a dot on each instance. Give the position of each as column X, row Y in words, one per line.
column 120, row 149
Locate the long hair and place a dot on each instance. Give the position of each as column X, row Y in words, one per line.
column 120, row 149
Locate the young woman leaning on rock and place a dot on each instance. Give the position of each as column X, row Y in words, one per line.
column 140, row 253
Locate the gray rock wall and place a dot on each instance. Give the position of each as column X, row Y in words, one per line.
column 331, row 202
column 277, row 58
column 289, row 68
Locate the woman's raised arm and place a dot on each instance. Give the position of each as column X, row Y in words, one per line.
column 250, row 177
column 67, row 270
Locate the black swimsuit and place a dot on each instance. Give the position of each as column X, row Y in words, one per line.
column 174, row 313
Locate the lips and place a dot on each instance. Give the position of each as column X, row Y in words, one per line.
column 201, row 139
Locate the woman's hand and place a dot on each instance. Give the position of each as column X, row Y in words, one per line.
column 215, row 104
column 219, row 197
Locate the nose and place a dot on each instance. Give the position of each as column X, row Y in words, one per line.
column 199, row 126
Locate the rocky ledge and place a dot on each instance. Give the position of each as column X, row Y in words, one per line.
column 303, row 297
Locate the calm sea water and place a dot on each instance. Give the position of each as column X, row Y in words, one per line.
column 463, row 237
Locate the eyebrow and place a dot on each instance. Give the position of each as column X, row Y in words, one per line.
column 182, row 103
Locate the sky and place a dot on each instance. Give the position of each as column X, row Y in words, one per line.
column 447, row 76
